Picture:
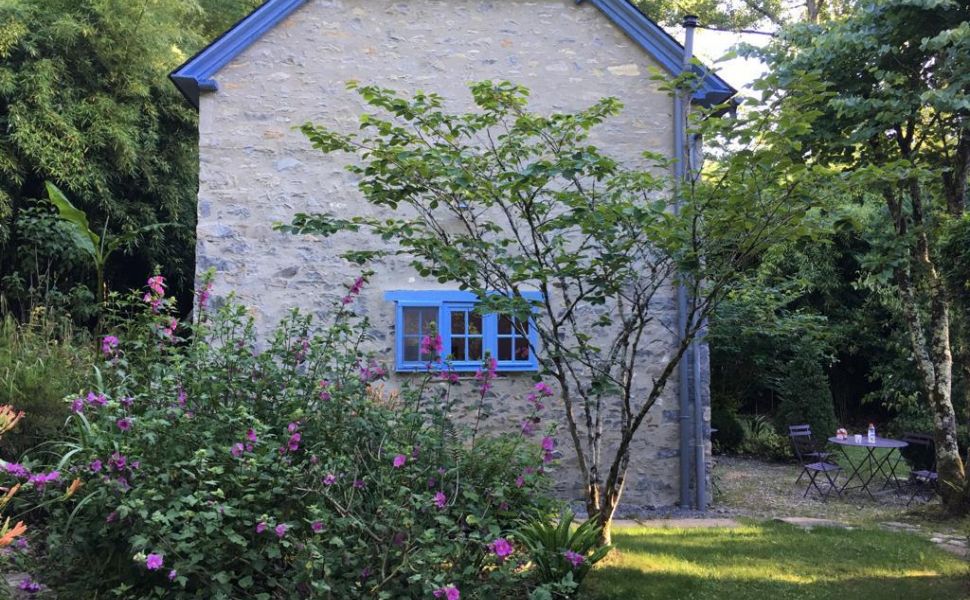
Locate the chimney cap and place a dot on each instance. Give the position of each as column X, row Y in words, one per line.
column 691, row 20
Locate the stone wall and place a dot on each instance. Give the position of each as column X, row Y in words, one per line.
column 256, row 170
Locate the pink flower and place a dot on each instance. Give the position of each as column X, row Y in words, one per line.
column 431, row 346
column 293, row 427
column 528, row 427
column 42, row 479
column 77, row 405
column 157, row 285
column 95, row 466
column 487, row 374
column 204, row 295
column 329, row 479
column 316, row 526
column 399, row 461
column 281, row 530
column 251, row 435
column 440, row 500
column 372, row 372
column 354, row 290
column 448, row 593
column 172, row 575
column 575, row 558
column 181, row 397
column 169, row 331
column 519, row 481
column 543, row 388
column 96, row 399
column 261, row 527
column 123, row 424
column 237, row 450
column 294, row 444
column 108, row 345
column 548, row 444
column 324, row 393
column 118, row 461
column 501, row 547
column 153, row 562
column 29, row 585
column 16, row 469
column 449, row 376
column 359, row 484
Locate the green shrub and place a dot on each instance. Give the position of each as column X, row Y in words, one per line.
column 41, row 361
column 214, row 470
column 806, row 398
column 730, row 433
column 761, row 439
column 563, row 556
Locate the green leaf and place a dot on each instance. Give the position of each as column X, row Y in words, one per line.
column 81, row 233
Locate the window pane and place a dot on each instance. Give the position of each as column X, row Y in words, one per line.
column 429, row 320
column 504, row 324
column 412, row 321
column 457, row 348
column 474, row 323
column 419, row 320
column 505, row 348
column 457, row 322
column 411, row 348
column 521, row 348
column 475, row 348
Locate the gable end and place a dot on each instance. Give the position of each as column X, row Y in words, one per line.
column 196, row 75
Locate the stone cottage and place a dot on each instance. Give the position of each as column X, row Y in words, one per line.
column 287, row 63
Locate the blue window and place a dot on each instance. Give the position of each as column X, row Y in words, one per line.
column 467, row 337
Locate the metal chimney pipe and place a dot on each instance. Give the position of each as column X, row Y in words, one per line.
column 700, row 464
column 681, row 108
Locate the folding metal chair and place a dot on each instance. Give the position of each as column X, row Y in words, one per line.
column 806, row 447
column 807, row 450
column 921, row 455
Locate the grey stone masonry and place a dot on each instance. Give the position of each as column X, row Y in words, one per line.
column 256, row 169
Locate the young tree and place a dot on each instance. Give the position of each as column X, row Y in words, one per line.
column 899, row 126
column 507, row 200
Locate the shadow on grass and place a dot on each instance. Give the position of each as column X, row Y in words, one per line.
column 776, row 561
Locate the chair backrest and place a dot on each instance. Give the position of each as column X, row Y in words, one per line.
column 921, row 451
column 801, row 441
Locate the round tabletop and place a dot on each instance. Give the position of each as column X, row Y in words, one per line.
column 865, row 443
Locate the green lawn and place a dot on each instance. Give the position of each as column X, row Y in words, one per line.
column 768, row 561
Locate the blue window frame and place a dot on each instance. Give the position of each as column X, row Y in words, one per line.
column 466, row 336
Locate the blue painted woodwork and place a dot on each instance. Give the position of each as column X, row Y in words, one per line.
column 446, row 302
column 663, row 48
column 197, row 74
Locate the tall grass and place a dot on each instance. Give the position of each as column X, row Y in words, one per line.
column 41, row 361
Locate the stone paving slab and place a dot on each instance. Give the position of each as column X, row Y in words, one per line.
column 809, row 523
column 677, row 523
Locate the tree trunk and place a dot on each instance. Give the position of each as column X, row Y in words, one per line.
column 605, row 518
column 934, row 363
column 606, row 532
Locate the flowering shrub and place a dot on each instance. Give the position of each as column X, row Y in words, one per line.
column 214, row 469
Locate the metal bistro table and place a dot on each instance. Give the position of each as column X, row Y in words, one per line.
column 883, row 466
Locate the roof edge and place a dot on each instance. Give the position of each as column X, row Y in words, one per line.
column 662, row 46
column 195, row 75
